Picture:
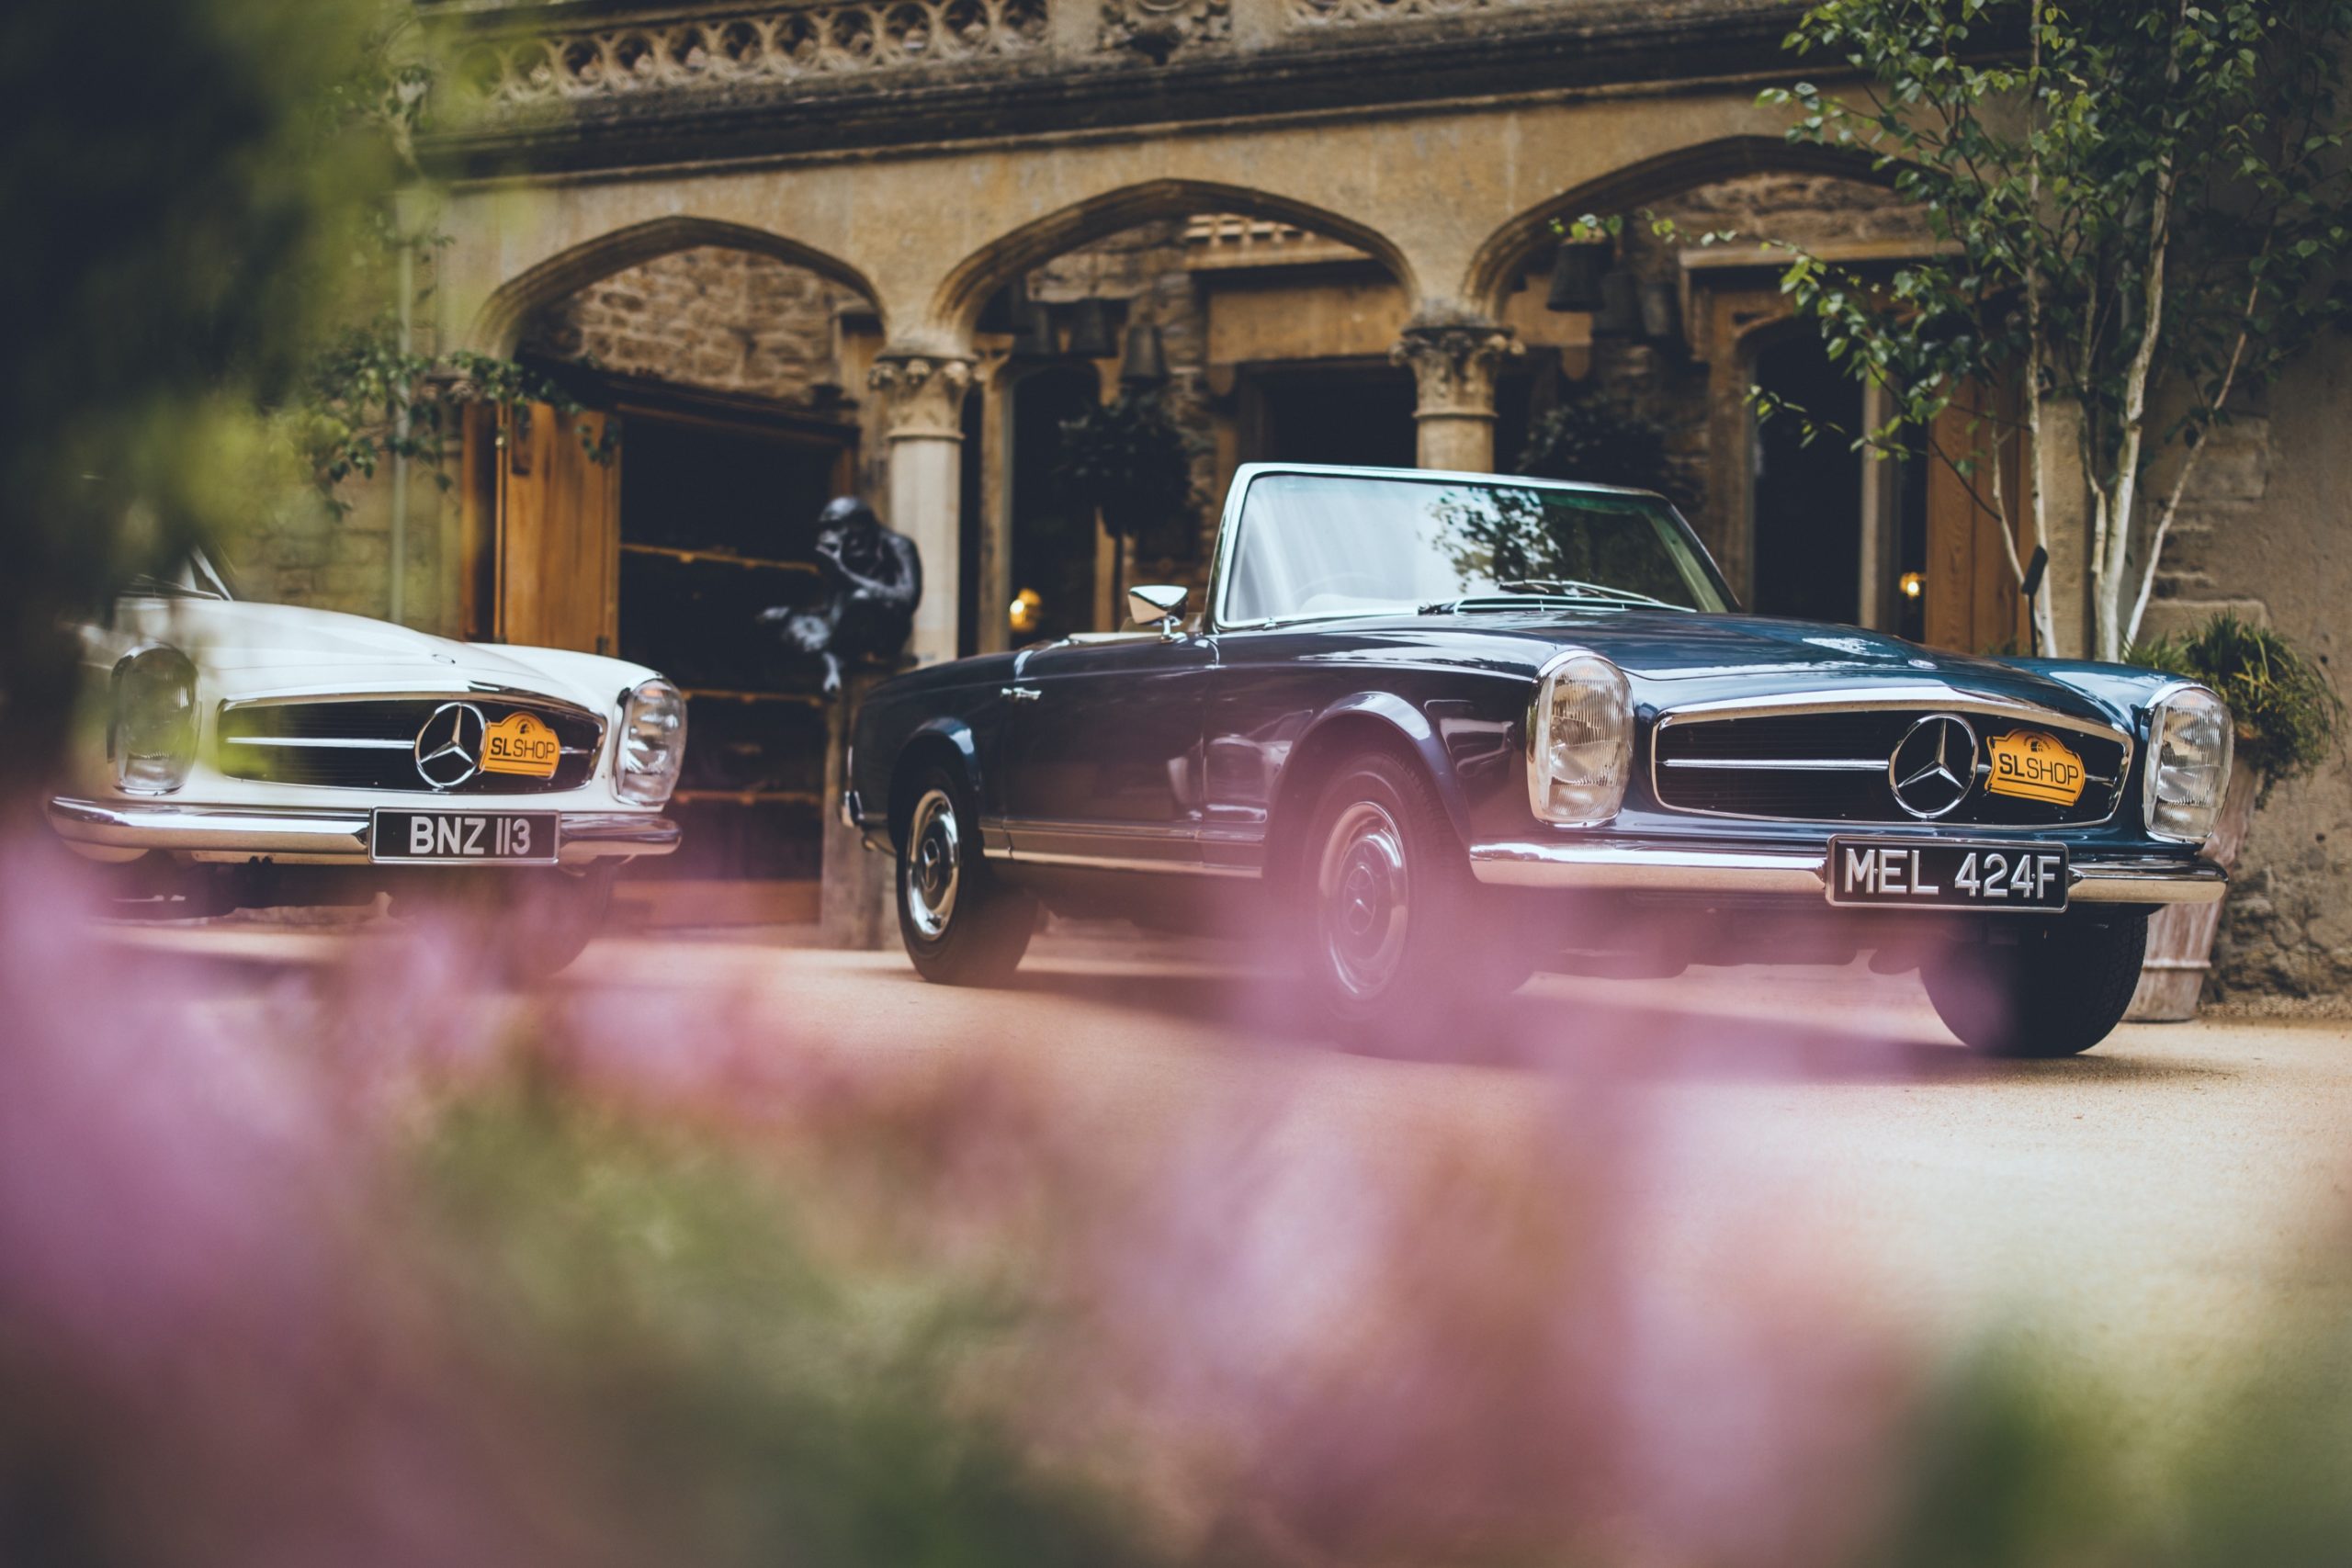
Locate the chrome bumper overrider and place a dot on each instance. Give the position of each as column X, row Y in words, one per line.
column 319, row 835
column 1685, row 868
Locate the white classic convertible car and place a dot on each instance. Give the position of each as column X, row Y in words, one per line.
column 260, row 756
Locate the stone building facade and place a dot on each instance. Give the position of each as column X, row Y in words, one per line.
column 829, row 230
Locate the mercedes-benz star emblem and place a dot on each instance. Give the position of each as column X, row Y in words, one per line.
column 448, row 748
column 1934, row 766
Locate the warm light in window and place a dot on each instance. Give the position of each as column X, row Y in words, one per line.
column 1023, row 613
column 1914, row 584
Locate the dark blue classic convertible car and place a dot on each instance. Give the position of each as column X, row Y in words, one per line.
column 1450, row 729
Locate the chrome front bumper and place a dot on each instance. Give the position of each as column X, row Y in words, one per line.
column 1691, row 868
column 312, row 835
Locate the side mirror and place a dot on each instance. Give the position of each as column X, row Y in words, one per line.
column 1157, row 604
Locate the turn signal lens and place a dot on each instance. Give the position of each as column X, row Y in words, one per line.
column 152, row 736
column 653, row 743
column 2190, row 739
column 1580, row 742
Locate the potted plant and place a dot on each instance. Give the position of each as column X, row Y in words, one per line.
column 1131, row 461
column 2288, row 720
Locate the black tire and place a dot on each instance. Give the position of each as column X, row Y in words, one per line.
column 548, row 921
column 1388, row 919
column 961, row 925
column 2059, row 991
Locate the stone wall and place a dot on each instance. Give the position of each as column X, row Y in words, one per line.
column 2266, row 539
column 313, row 554
column 728, row 320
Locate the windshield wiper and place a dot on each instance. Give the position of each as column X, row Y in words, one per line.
column 1556, row 588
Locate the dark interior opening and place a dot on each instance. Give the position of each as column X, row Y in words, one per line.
column 717, row 521
column 1053, row 542
column 1808, row 495
column 1361, row 416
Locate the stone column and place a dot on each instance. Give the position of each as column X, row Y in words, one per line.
column 922, row 419
column 1453, row 376
column 856, row 886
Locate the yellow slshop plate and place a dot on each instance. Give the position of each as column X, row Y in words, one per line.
column 2034, row 764
column 520, row 743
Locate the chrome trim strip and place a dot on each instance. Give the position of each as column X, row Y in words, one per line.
column 1923, row 695
column 1652, row 867
column 253, row 829
column 326, row 743
column 1095, row 846
column 1602, row 864
column 1933, row 696
column 2149, row 880
column 645, row 834
column 1116, row 863
column 454, row 691
column 333, row 833
column 1781, row 764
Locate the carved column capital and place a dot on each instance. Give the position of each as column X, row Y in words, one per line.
column 1453, row 367
column 1156, row 29
column 922, row 394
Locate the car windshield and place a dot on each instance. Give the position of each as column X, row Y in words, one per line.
column 201, row 575
column 1316, row 545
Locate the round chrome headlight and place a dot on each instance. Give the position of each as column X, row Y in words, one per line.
column 653, row 743
column 151, row 735
column 1580, row 740
column 2190, row 739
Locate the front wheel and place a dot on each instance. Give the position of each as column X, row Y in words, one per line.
column 960, row 925
column 2058, row 991
column 1393, row 947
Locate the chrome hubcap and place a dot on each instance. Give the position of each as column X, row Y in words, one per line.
column 933, row 864
column 1364, row 898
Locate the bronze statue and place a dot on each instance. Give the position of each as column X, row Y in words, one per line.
column 873, row 581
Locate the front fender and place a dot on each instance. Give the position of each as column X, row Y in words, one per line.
column 954, row 733
column 1328, row 735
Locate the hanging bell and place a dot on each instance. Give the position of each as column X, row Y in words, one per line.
column 1621, row 307
column 1033, row 334
column 1145, row 361
column 1576, row 269
column 1661, row 312
column 1089, row 331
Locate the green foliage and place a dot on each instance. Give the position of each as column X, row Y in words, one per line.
column 366, row 399
column 2289, row 719
column 760, row 1384
column 1131, row 460
column 368, row 396
column 1592, row 438
column 180, row 245
column 2140, row 208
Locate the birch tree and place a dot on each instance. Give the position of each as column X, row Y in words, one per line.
column 2142, row 211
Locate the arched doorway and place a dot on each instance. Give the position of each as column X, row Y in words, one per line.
column 1259, row 339
column 722, row 375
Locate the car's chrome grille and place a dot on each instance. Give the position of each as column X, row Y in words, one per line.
column 1834, row 767
column 370, row 743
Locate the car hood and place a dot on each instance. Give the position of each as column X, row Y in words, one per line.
column 245, row 648
column 1672, row 658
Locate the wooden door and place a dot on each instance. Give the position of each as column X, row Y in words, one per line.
column 1970, row 592
column 558, row 574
